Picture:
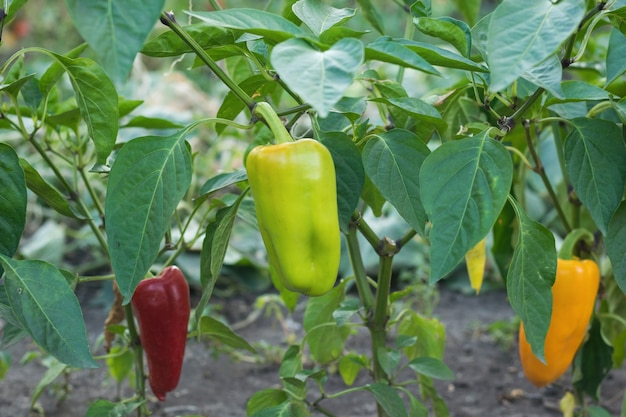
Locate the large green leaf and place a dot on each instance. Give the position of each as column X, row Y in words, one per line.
column 595, row 160
column 115, row 29
column 319, row 17
column 388, row 398
column 12, row 201
column 547, row 74
column 150, row 176
column 272, row 27
column 392, row 161
column 325, row 338
column 616, row 245
column 524, row 33
column 349, row 171
column 440, row 56
column 593, row 362
column 36, row 290
column 371, row 14
column 387, row 50
column 46, row 191
column 319, row 77
column 170, row 44
column 530, row 278
column 97, row 100
column 453, row 31
column 615, row 62
column 464, row 185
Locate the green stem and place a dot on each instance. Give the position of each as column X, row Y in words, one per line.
column 539, row 169
column 268, row 114
column 135, row 343
column 360, row 276
column 570, row 247
column 91, row 191
column 168, row 20
column 378, row 323
column 366, row 231
column 409, row 31
column 406, row 238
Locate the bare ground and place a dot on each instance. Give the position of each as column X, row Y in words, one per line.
column 489, row 381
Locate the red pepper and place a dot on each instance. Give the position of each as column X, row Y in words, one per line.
column 162, row 308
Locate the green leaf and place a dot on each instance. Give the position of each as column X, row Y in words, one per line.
column 272, row 27
column 325, row 339
column 232, row 105
column 11, row 334
column 350, row 365
column 524, row 33
column 348, row 308
column 421, row 8
column 215, row 329
column 418, row 409
column 430, row 333
column 593, row 362
column 465, row 186
column 319, row 17
column 616, row 245
column 595, row 160
column 115, row 29
column 597, row 411
column 530, row 278
column 35, row 290
column 392, row 161
column 214, row 247
column 432, row 367
column 14, row 87
column 54, row 72
column 222, row 180
column 388, row 398
column 52, row 373
column 615, row 63
column 149, row 178
column 267, row 398
column 574, row 91
column 417, row 109
column 169, row 44
column 282, row 410
column 371, row 15
column 152, row 123
column 46, row 191
column 389, row 359
column 120, row 363
column 12, row 201
column 319, row 77
column 453, row 31
column 470, row 9
column 103, row 408
column 349, row 171
column 97, row 100
column 387, row 50
column 440, row 56
column 547, row 74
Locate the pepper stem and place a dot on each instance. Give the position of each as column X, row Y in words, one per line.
column 570, row 247
column 268, row 114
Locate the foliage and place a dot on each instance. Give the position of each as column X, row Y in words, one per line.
column 474, row 124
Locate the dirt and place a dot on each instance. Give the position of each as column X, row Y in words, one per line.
column 489, row 381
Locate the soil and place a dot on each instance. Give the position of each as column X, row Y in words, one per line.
column 489, row 381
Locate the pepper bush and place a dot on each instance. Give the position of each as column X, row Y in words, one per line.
column 455, row 123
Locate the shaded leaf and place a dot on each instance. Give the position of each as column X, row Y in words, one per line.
column 392, row 161
column 595, row 160
column 35, row 291
column 12, row 201
column 530, row 278
column 149, row 178
column 319, row 77
column 217, row 330
column 388, row 398
column 616, row 245
column 524, row 33
column 468, row 184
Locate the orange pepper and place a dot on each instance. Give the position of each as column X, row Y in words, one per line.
column 573, row 299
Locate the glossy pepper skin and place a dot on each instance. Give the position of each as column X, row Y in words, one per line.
column 573, row 299
column 294, row 189
column 161, row 306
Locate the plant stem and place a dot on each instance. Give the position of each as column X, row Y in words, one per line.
column 378, row 323
column 135, row 343
column 268, row 114
column 360, row 276
column 168, row 20
column 366, row 230
column 539, row 169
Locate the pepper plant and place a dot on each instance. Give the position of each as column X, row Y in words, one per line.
column 452, row 123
